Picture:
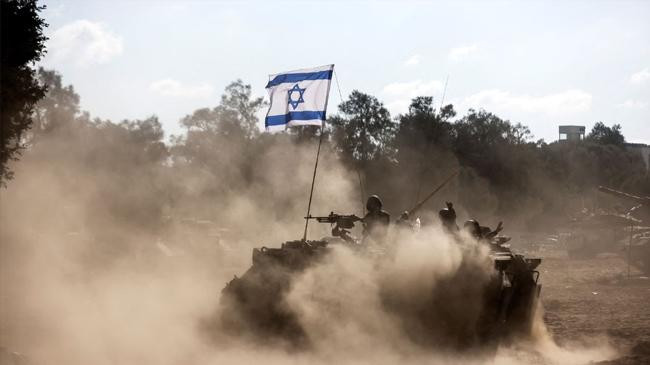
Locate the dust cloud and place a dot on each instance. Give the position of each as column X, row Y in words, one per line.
column 78, row 286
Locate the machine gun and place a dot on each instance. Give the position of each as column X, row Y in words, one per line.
column 341, row 224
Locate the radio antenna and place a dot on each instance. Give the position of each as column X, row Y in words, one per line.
column 444, row 92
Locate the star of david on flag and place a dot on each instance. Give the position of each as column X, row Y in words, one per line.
column 298, row 97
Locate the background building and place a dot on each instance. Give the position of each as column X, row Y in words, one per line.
column 571, row 133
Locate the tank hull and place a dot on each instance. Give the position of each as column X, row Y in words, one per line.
column 254, row 304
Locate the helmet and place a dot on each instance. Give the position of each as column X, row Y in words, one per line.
column 373, row 203
column 470, row 224
column 472, row 227
column 447, row 215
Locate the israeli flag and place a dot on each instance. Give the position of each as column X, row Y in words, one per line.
column 298, row 97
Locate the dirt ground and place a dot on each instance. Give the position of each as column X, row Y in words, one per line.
column 594, row 298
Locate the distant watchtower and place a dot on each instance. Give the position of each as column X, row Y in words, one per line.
column 571, row 133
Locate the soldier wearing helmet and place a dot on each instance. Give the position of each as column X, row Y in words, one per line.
column 448, row 218
column 375, row 222
column 481, row 232
column 473, row 228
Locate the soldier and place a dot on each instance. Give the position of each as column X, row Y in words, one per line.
column 375, row 222
column 405, row 221
column 482, row 232
column 448, row 218
column 488, row 234
column 473, row 228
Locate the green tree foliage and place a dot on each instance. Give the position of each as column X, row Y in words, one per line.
column 498, row 152
column 212, row 133
column 21, row 45
column 237, row 110
column 308, row 133
column 133, row 179
column 423, row 147
column 422, row 128
column 603, row 134
column 216, row 138
column 486, row 142
column 234, row 117
column 365, row 130
column 59, row 106
column 118, row 167
column 132, row 183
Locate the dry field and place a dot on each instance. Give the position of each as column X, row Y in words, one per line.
column 591, row 299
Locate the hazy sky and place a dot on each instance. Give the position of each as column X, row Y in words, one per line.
column 538, row 63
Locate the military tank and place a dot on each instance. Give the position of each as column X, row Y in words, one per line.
column 641, row 209
column 591, row 234
column 254, row 305
column 638, row 232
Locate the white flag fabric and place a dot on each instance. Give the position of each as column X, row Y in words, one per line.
column 298, row 97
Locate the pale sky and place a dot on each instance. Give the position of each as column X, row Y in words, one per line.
column 535, row 62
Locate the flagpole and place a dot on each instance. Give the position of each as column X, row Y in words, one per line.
column 313, row 179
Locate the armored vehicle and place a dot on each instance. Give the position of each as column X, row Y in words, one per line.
column 592, row 234
column 638, row 232
column 254, row 305
column 641, row 209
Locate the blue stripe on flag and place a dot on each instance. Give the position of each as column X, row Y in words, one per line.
column 320, row 75
column 286, row 118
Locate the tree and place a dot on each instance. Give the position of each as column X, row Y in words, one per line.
column 603, row 134
column 479, row 133
column 217, row 136
column 499, row 152
column 365, row 131
column 146, row 138
column 423, row 146
column 308, row 133
column 58, row 108
column 234, row 117
column 422, row 128
column 211, row 130
column 22, row 44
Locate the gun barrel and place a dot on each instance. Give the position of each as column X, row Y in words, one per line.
column 622, row 195
column 324, row 219
column 442, row 185
column 333, row 218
